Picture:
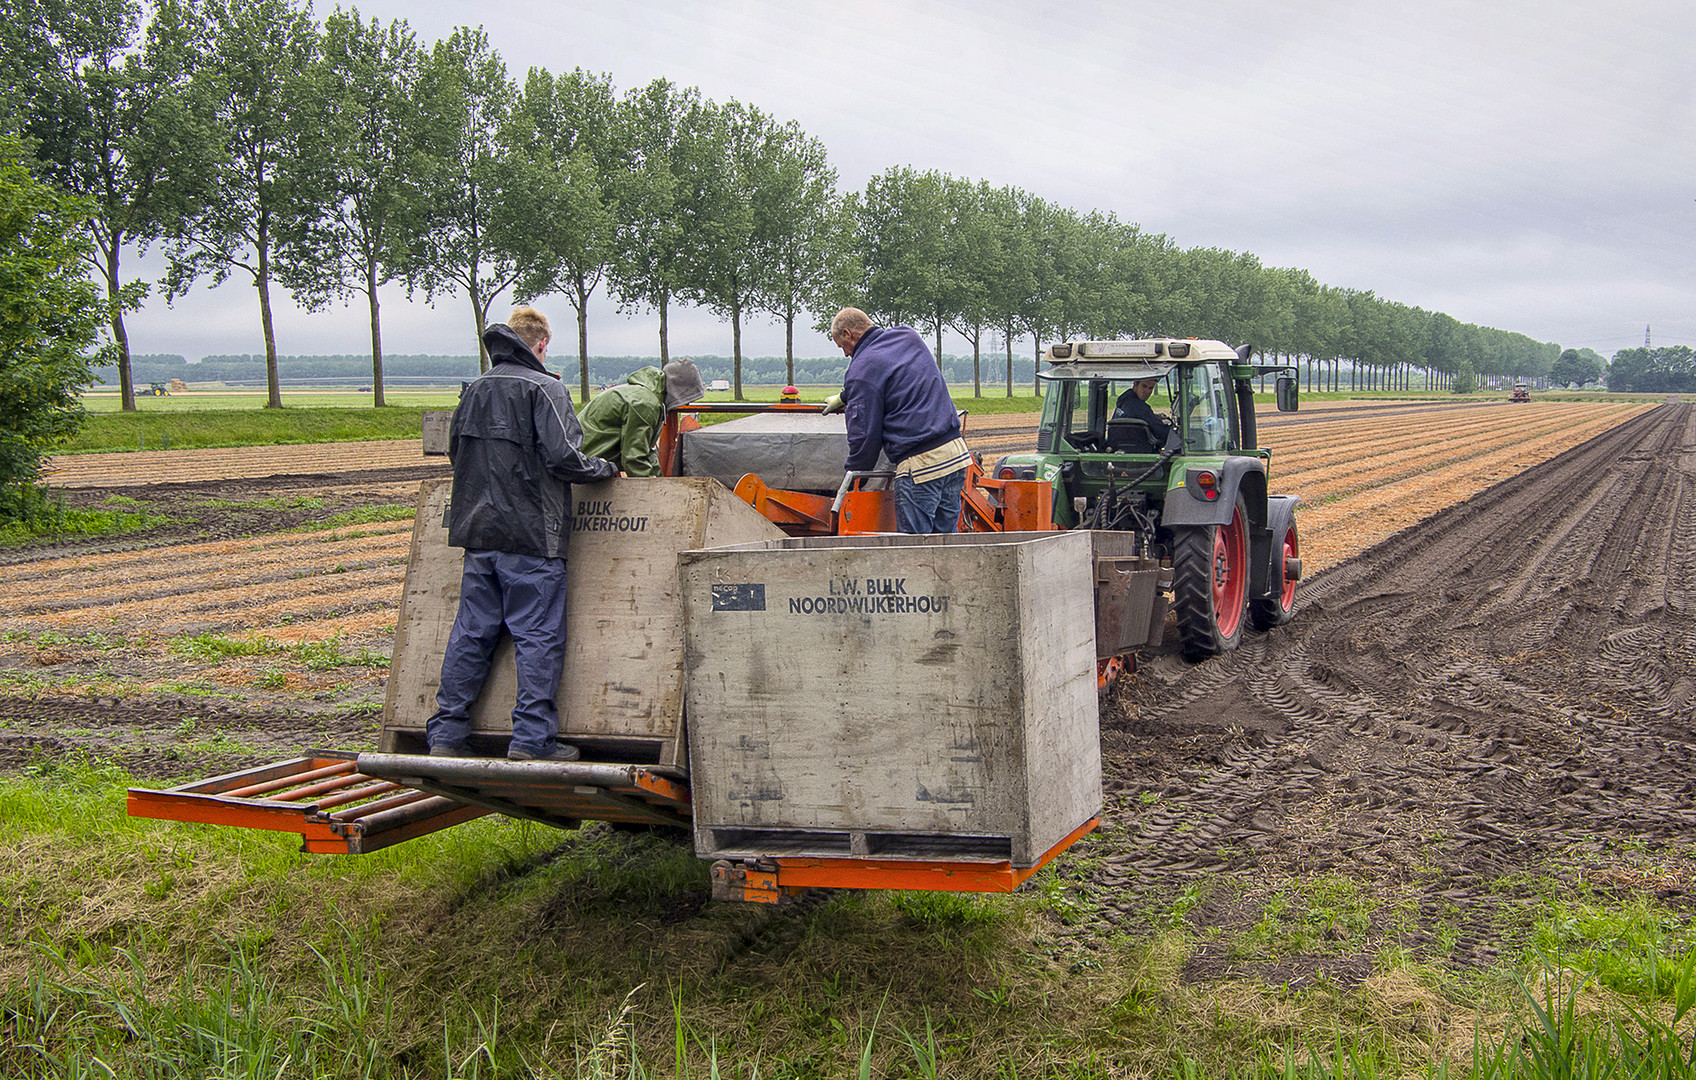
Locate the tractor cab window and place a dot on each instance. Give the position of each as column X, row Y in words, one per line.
column 1203, row 410
column 1077, row 423
column 1068, row 412
column 1135, row 425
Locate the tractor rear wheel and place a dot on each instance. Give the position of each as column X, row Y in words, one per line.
column 1210, row 585
column 1276, row 610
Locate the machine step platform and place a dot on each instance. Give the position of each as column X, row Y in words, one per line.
column 322, row 795
column 347, row 803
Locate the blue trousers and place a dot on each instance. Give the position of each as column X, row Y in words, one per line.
column 525, row 594
column 932, row 507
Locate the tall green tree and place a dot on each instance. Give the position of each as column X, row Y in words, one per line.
column 725, row 269
column 50, row 316
column 663, row 125
column 102, row 87
column 559, row 204
column 1014, row 277
column 1052, row 231
column 1574, row 368
column 904, row 241
column 795, row 198
column 257, row 86
column 366, row 80
column 465, row 97
column 980, row 258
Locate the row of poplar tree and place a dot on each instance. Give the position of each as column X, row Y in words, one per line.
column 333, row 158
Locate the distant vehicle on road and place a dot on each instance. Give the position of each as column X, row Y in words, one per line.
column 719, row 384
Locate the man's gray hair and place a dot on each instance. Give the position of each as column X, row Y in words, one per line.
column 848, row 320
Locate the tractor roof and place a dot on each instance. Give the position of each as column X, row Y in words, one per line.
column 1143, row 349
column 1144, row 358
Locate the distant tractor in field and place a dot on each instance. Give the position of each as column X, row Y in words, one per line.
column 1521, row 392
column 158, row 389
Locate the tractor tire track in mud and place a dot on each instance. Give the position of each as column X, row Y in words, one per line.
column 1502, row 693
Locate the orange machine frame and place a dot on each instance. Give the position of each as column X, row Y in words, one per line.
column 986, row 504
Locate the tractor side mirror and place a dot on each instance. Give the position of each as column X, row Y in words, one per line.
column 1288, row 393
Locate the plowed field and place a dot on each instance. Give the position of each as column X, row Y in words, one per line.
column 1492, row 675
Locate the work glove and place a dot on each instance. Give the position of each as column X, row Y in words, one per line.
column 833, row 404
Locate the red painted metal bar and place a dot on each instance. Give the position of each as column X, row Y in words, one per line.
column 939, row 876
column 339, row 769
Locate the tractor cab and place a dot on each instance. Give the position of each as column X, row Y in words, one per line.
column 1158, row 437
column 1119, row 414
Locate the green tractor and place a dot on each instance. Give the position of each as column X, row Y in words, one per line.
column 1191, row 484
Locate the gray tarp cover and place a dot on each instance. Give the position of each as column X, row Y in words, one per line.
column 794, row 450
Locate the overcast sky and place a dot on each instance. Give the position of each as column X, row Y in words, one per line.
column 1524, row 165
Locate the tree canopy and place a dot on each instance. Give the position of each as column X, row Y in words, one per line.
column 334, row 155
column 50, row 317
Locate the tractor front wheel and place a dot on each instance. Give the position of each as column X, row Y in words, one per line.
column 1210, row 585
column 1276, row 610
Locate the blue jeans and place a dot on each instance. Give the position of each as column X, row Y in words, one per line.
column 931, row 507
column 525, row 594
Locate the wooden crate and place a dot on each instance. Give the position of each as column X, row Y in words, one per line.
column 621, row 697
column 892, row 696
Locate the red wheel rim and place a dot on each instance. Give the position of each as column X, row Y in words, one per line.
column 1230, row 582
column 1107, row 673
column 1292, row 550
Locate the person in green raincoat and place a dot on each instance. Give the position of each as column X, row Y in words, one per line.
column 622, row 423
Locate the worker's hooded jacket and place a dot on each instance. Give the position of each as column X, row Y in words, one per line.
column 515, row 447
column 895, row 399
column 620, row 423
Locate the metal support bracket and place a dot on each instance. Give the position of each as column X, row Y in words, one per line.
column 752, row 881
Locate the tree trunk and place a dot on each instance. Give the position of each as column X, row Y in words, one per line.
column 789, row 347
column 939, row 345
column 1036, row 365
column 478, row 319
column 665, row 343
column 736, row 347
column 583, row 341
column 376, row 337
column 120, row 336
column 977, row 359
column 262, row 281
column 1009, row 359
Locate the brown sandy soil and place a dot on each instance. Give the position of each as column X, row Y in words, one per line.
column 1494, row 698
column 228, row 463
column 1492, row 704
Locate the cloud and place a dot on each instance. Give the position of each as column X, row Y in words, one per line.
column 1525, row 165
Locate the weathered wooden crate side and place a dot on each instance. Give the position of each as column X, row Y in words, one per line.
column 1062, row 719
column 886, row 688
column 623, row 679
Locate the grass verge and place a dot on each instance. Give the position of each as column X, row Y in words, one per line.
column 498, row 948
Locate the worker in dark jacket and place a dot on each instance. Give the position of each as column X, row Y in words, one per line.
column 897, row 402
column 514, row 444
column 622, row 423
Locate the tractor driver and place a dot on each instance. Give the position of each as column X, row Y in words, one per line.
column 1133, row 405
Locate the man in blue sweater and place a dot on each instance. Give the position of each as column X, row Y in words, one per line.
column 897, row 402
